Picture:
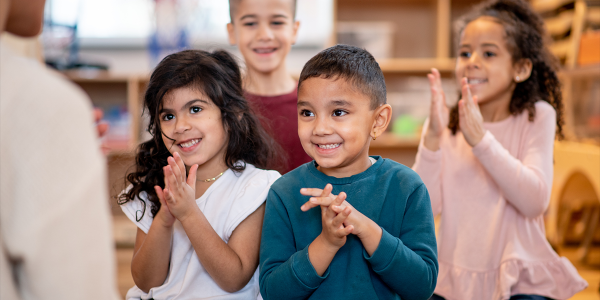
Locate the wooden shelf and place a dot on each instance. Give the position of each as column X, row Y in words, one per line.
column 418, row 65
column 391, row 140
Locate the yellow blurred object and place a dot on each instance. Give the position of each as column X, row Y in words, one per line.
column 576, row 185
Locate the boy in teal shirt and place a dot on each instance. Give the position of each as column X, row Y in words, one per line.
column 372, row 236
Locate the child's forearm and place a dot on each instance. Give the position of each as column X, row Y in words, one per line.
column 370, row 236
column 321, row 254
column 223, row 264
column 150, row 263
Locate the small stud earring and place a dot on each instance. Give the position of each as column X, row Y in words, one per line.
column 518, row 79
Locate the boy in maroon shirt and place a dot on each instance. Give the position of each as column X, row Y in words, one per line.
column 264, row 31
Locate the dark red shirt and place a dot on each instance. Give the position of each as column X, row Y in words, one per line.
column 280, row 119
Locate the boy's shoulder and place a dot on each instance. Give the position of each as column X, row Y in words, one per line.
column 296, row 177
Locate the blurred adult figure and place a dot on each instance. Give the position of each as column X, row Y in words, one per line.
column 55, row 229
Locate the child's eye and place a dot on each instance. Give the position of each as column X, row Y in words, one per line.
column 488, row 54
column 168, row 117
column 249, row 24
column 277, row 23
column 339, row 113
column 195, row 109
column 307, row 113
column 465, row 54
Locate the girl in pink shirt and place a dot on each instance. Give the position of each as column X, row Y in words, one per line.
column 487, row 162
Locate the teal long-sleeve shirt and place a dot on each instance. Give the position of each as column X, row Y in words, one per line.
column 404, row 265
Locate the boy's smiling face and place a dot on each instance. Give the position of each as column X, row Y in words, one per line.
column 264, row 31
column 336, row 125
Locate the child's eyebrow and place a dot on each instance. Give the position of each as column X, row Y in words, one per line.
column 302, row 103
column 192, row 102
column 186, row 106
column 248, row 17
column 489, row 45
column 341, row 103
column 279, row 16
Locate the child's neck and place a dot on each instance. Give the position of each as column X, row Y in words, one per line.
column 496, row 110
column 208, row 170
column 360, row 165
column 277, row 82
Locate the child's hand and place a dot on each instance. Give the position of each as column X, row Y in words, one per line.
column 438, row 112
column 334, row 232
column 364, row 228
column 356, row 219
column 101, row 129
column 164, row 214
column 179, row 193
column 470, row 119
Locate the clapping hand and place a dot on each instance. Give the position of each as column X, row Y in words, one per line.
column 470, row 119
column 438, row 112
column 180, row 192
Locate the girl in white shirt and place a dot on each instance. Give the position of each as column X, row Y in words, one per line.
column 198, row 190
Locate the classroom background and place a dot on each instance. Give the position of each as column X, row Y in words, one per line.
column 110, row 47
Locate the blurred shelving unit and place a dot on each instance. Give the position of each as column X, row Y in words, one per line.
column 574, row 210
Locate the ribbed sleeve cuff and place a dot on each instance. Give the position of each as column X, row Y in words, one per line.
column 484, row 145
column 384, row 253
column 305, row 272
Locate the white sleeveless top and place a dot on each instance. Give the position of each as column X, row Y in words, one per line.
column 226, row 203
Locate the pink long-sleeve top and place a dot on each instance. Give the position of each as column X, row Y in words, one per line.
column 491, row 198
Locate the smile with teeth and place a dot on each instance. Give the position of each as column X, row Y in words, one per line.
column 329, row 146
column 264, row 50
column 476, row 80
column 189, row 143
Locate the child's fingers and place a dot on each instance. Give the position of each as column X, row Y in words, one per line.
column 344, row 231
column 341, row 217
column 466, row 92
column 327, row 190
column 170, row 180
column 308, row 206
column 175, row 169
column 314, row 192
column 317, row 201
column 339, row 199
column 438, row 78
column 168, row 196
column 191, row 180
column 160, row 194
column 180, row 164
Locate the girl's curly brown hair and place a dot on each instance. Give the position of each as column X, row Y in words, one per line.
column 216, row 74
column 525, row 37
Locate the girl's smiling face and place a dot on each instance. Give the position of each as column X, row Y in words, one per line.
column 486, row 61
column 192, row 126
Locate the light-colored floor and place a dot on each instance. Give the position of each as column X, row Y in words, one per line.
column 590, row 271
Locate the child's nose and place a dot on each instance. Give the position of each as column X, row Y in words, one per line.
column 322, row 127
column 264, row 32
column 474, row 61
column 182, row 125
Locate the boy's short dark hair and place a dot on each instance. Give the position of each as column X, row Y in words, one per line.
column 234, row 3
column 350, row 63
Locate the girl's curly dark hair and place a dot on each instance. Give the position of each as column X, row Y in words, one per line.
column 526, row 40
column 217, row 75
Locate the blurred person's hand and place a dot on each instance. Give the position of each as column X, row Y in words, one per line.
column 101, row 128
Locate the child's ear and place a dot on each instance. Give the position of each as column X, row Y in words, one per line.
column 295, row 31
column 522, row 70
column 382, row 118
column 231, row 34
